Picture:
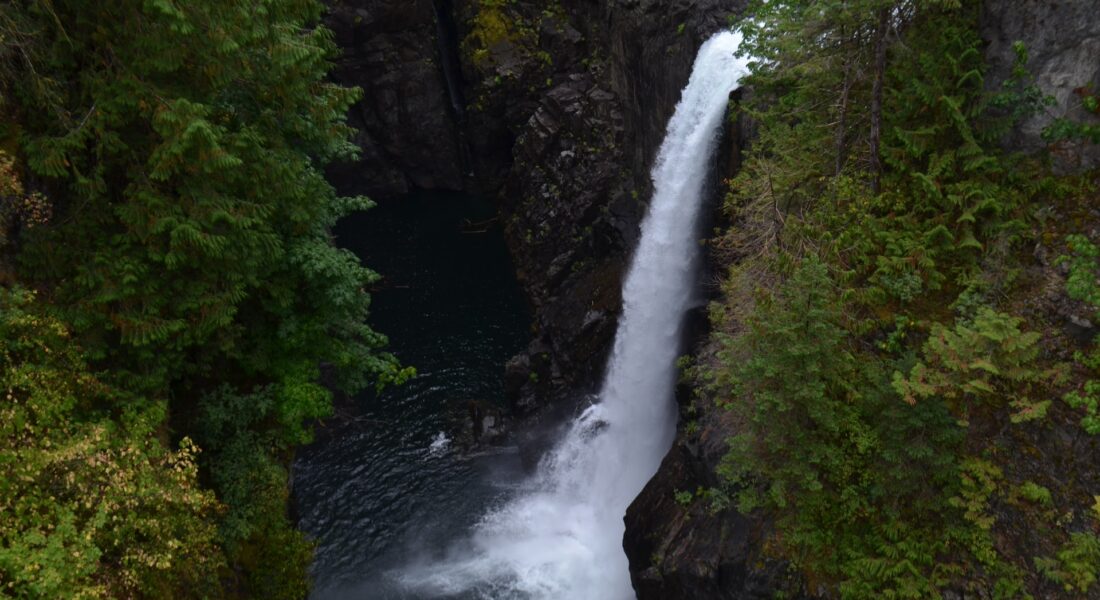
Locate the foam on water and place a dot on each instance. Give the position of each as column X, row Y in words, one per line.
column 561, row 537
column 440, row 444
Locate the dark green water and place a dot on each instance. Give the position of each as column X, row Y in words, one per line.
column 372, row 491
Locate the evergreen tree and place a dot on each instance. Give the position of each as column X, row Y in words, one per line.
column 181, row 146
column 868, row 349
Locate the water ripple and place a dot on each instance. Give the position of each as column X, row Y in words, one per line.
column 371, row 491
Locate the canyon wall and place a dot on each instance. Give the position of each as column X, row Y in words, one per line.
column 554, row 109
column 1062, row 42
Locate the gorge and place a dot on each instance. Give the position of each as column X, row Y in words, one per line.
column 560, row 535
column 550, row 299
column 550, row 149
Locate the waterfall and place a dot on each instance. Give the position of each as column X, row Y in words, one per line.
column 561, row 538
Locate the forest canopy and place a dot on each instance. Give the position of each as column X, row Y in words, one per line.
column 888, row 331
column 170, row 292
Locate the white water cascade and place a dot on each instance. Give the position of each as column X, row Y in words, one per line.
column 561, row 538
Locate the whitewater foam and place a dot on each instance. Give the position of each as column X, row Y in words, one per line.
column 561, row 537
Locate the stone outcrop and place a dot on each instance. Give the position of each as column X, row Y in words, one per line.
column 678, row 548
column 1062, row 40
column 589, row 88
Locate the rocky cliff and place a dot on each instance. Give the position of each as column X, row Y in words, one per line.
column 555, row 109
column 407, row 127
column 1062, row 41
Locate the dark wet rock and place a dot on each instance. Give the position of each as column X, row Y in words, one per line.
column 405, row 123
column 651, row 49
column 558, row 113
column 585, row 127
column 1080, row 329
column 483, row 426
column 517, row 374
column 680, row 550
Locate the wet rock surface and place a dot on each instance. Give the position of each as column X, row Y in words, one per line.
column 586, row 105
column 405, row 124
column 678, row 548
column 559, row 111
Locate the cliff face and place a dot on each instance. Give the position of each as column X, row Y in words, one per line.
column 406, row 124
column 555, row 109
column 1062, row 40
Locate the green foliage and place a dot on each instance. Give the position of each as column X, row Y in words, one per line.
column 496, row 24
column 946, row 195
column 987, row 360
column 92, row 507
column 848, row 470
column 1063, row 128
column 1066, row 129
column 1033, row 492
column 1083, row 262
column 864, row 345
column 198, row 215
column 684, row 498
column 797, row 331
column 1087, row 396
column 183, row 145
column 895, row 340
column 1020, row 97
column 1082, row 285
column 980, row 483
column 1076, row 565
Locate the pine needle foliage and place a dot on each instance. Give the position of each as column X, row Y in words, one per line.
column 92, row 507
column 181, row 145
column 865, row 346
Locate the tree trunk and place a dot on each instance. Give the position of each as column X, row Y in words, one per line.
column 876, row 98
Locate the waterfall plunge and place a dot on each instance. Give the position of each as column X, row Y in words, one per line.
column 562, row 539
